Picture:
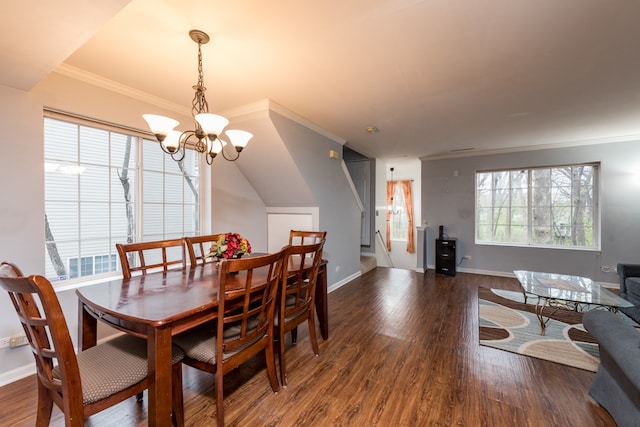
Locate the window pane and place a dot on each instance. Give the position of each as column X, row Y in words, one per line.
column 94, row 146
column 546, row 206
column 399, row 220
column 94, row 184
column 153, row 186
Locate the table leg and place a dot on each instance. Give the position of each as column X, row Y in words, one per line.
column 321, row 296
column 540, row 305
column 159, row 354
column 87, row 328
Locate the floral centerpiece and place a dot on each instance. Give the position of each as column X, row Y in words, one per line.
column 230, row 245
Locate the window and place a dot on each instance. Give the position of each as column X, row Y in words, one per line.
column 400, row 214
column 555, row 206
column 399, row 221
column 105, row 185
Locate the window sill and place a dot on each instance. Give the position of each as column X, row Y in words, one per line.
column 69, row 285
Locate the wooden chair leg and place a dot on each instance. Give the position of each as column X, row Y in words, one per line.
column 271, row 367
column 281, row 358
column 294, row 335
column 312, row 334
column 45, row 407
column 220, row 397
column 178, row 399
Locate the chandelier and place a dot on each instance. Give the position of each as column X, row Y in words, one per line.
column 392, row 207
column 205, row 138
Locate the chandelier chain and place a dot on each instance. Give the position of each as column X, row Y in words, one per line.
column 199, row 104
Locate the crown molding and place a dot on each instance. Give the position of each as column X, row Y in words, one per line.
column 262, row 106
column 277, row 108
column 104, row 83
column 564, row 144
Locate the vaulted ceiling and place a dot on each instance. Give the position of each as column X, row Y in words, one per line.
column 433, row 77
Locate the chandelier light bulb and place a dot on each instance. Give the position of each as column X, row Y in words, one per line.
column 212, row 124
column 172, row 141
column 160, row 125
column 239, row 138
column 215, row 146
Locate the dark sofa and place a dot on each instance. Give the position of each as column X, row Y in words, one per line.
column 630, row 288
column 616, row 385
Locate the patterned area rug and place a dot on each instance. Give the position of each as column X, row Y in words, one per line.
column 508, row 324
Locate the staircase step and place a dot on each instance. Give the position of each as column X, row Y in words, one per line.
column 367, row 263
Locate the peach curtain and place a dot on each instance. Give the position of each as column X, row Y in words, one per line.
column 408, row 208
column 391, row 190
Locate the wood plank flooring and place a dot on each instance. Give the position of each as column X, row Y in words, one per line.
column 403, row 351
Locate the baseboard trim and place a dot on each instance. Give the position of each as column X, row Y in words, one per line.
column 17, row 374
column 343, row 282
column 510, row 274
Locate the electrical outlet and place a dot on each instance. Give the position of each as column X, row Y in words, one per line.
column 4, row 342
column 18, row 340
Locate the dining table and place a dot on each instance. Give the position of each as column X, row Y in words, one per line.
column 156, row 306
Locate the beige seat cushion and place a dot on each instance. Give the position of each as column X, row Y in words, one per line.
column 113, row 366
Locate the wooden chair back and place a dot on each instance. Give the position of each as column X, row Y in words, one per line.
column 245, row 321
column 144, row 256
column 297, row 295
column 47, row 333
column 299, row 237
column 198, row 247
column 57, row 366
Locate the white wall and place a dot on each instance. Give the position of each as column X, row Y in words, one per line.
column 22, row 208
column 236, row 207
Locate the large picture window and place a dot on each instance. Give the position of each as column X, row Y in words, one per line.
column 550, row 207
column 105, row 185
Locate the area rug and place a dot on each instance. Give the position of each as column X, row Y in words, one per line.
column 507, row 323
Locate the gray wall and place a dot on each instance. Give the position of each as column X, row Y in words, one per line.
column 448, row 200
column 339, row 211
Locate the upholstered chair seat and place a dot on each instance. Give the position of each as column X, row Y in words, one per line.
column 113, row 366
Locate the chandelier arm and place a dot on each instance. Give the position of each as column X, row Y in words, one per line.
column 178, row 155
column 231, row 159
column 209, row 158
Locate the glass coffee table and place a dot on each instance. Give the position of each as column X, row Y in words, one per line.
column 563, row 291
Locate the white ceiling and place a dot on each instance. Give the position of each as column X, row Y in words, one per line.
column 433, row 76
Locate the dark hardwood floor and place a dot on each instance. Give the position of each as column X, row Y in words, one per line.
column 403, row 351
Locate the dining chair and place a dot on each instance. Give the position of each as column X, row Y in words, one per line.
column 145, row 256
column 198, row 247
column 299, row 237
column 297, row 296
column 245, row 322
column 91, row 381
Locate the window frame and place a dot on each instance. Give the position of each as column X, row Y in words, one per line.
column 198, row 209
column 596, row 214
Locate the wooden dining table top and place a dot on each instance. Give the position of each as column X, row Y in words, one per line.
column 156, row 297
